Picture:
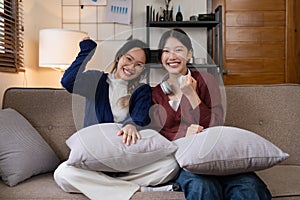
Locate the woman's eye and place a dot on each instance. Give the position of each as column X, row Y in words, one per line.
column 165, row 51
column 128, row 58
column 178, row 50
column 140, row 65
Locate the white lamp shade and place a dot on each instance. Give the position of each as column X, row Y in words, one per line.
column 58, row 48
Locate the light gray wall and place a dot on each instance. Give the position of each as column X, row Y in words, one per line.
column 42, row 14
column 188, row 8
column 106, row 49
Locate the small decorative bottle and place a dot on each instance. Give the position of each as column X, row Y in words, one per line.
column 161, row 14
column 179, row 15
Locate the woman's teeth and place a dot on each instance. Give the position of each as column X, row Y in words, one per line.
column 173, row 64
column 128, row 73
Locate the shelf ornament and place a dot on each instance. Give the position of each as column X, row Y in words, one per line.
column 167, row 2
column 167, row 12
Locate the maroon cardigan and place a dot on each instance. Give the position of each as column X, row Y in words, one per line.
column 173, row 124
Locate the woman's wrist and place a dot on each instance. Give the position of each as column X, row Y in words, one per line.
column 194, row 99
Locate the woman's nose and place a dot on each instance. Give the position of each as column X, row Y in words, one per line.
column 131, row 66
column 172, row 55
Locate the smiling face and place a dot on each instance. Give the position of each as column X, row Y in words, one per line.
column 131, row 64
column 175, row 56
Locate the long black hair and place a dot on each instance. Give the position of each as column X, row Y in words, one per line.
column 135, row 43
column 132, row 84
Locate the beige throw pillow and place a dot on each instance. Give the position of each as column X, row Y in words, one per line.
column 98, row 148
column 23, row 151
column 226, row 150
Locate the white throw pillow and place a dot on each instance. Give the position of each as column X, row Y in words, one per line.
column 23, row 151
column 98, row 148
column 224, row 150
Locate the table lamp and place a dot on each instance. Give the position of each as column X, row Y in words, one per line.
column 58, row 48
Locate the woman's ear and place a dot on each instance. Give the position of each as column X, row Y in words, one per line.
column 190, row 54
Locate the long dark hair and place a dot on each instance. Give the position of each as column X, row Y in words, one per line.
column 132, row 84
column 177, row 33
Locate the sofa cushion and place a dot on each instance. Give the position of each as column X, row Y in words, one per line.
column 282, row 180
column 99, row 148
column 23, row 152
column 224, row 150
column 43, row 187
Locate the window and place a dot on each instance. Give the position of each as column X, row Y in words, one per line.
column 11, row 36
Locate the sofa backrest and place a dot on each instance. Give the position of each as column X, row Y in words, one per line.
column 272, row 111
column 49, row 111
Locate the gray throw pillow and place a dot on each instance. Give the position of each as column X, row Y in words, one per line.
column 224, row 150
column 23, row 152
column 98, row 148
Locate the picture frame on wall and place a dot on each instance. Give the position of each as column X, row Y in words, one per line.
column 93, row 2
column 119, row 11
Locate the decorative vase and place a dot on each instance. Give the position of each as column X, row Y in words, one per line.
column 168, row 14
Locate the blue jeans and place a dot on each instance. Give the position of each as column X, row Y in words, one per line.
column 234, row 187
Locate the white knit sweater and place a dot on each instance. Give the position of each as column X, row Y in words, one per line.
column 117, row 89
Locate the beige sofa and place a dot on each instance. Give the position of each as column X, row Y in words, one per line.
column 272, row 111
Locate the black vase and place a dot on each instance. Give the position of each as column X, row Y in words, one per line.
column 179, row 16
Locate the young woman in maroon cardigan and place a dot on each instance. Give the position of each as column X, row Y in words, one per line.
column 191, row 100
column 186, row 103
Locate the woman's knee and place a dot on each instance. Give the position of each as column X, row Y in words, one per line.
column 248, row 180
column 247, row 186
column 200, row 181
column 197, row 186
column 167, row 169
column 57, row 175
column 61, row 175
column 170, row 166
